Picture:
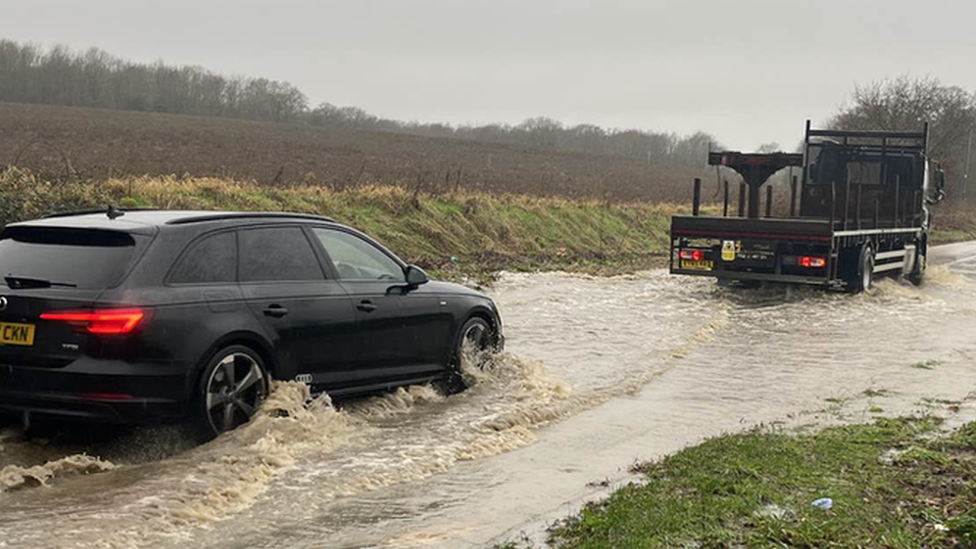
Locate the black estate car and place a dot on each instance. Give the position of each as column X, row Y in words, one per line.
column 148, row 316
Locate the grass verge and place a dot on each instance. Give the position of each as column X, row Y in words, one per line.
column 953, row 223
column 453, row 234
column 450, row 233
column 893, row 483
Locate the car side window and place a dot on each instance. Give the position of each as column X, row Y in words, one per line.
column 357, row 259
column 277, row 253
column 208, row 261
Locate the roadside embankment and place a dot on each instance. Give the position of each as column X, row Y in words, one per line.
column 454, row 234
column 953, row 223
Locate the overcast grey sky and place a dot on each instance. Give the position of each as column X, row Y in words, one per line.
column 748, row 71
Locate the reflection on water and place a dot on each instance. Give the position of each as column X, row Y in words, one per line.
column 684, row 352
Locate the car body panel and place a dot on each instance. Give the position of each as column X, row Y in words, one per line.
column 317, row 335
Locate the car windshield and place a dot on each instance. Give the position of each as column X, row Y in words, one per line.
column 64, row 257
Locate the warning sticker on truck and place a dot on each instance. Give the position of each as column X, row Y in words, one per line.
column 728, row 250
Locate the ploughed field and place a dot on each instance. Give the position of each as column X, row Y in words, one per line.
column 98, row 143
column 599, row 372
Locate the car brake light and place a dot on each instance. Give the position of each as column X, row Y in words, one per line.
column 101, row 322
column 692, row 255
column 811, row 262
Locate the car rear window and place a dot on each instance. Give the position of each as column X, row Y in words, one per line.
column 79, row 257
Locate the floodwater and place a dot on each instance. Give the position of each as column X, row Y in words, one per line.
column 599, row 372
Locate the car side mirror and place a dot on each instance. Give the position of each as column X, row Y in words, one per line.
column 940, row 180
column 415, row 276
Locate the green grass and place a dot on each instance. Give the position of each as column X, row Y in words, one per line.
column 451, row 234
column 945, row 236
column 893, row 484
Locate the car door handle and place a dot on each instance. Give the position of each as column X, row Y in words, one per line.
column 275, row 311
column 366, row 306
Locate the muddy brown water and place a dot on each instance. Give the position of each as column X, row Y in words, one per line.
column 599, row 373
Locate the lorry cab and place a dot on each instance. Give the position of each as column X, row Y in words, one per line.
column 877, row 184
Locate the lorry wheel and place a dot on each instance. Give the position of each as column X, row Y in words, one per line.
column 918, row 270
column 865, row 269
column 861, row 268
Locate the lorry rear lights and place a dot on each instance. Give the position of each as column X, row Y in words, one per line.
column 692, row 255
column 811, row 262
column 100, row 322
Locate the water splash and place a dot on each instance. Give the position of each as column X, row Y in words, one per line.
column 173, row 497
column 943, row 275
column 13, row 477
column 397, row 403
column 230, row 473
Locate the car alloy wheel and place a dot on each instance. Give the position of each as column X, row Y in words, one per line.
column 236, row 386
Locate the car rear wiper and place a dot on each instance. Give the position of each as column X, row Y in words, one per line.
column 25, row 282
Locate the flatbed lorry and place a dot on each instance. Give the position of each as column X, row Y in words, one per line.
column 861, row 210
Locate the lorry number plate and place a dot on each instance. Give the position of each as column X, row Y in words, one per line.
column 703, row 265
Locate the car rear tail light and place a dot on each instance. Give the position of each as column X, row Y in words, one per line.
column 811, row 262
column 692, row 255
column 100, row 322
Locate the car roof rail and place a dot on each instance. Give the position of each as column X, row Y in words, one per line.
column 247, row 215
column 107, row 211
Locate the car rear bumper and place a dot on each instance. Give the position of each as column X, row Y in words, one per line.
column 97, row 390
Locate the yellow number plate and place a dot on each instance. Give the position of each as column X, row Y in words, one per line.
column 697, row 265
column 16, row 334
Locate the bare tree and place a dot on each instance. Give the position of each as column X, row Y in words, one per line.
column 906, row 103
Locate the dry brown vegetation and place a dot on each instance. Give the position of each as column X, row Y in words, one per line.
column 99, row 144
column 454, row 232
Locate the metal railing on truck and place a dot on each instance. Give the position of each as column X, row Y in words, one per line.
column 834, row 190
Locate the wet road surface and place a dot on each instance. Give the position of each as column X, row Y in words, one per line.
column 600, row 372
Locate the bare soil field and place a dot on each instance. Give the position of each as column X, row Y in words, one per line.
column 99, row 144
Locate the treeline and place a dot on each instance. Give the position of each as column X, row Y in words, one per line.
column 539, row 133
column 94, row 78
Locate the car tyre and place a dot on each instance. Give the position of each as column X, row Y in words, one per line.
column 232, row 387
column 477, row 336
